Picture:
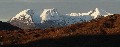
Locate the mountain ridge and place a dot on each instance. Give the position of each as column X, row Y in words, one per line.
column 28, row 19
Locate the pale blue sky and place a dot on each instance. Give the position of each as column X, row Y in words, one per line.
column 9, row 8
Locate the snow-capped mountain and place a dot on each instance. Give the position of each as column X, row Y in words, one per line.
column 96, row 13
column 26, row 19
column 84, row 17
column 50, row 14
column 52, row 18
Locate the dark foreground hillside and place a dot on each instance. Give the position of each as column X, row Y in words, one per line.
column 7, row 26
column 77, row 41
column 101, row 32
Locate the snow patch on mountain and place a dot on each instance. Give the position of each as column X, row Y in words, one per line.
column 94, row 13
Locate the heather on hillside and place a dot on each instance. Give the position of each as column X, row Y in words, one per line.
column 79, row 34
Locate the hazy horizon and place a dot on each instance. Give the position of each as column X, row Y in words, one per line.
column 9, row 8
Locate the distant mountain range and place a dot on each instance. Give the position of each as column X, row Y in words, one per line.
column 30, row 19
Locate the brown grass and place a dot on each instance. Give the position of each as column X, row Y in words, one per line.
column 100, row 26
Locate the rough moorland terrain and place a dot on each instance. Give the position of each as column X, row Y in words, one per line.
column 101, row 32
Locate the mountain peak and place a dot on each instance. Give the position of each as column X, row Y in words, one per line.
column 50, row 14
column 26, row 18
column 99, row 12
column 96, row 9
column 25, row 14
column 95, row 13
